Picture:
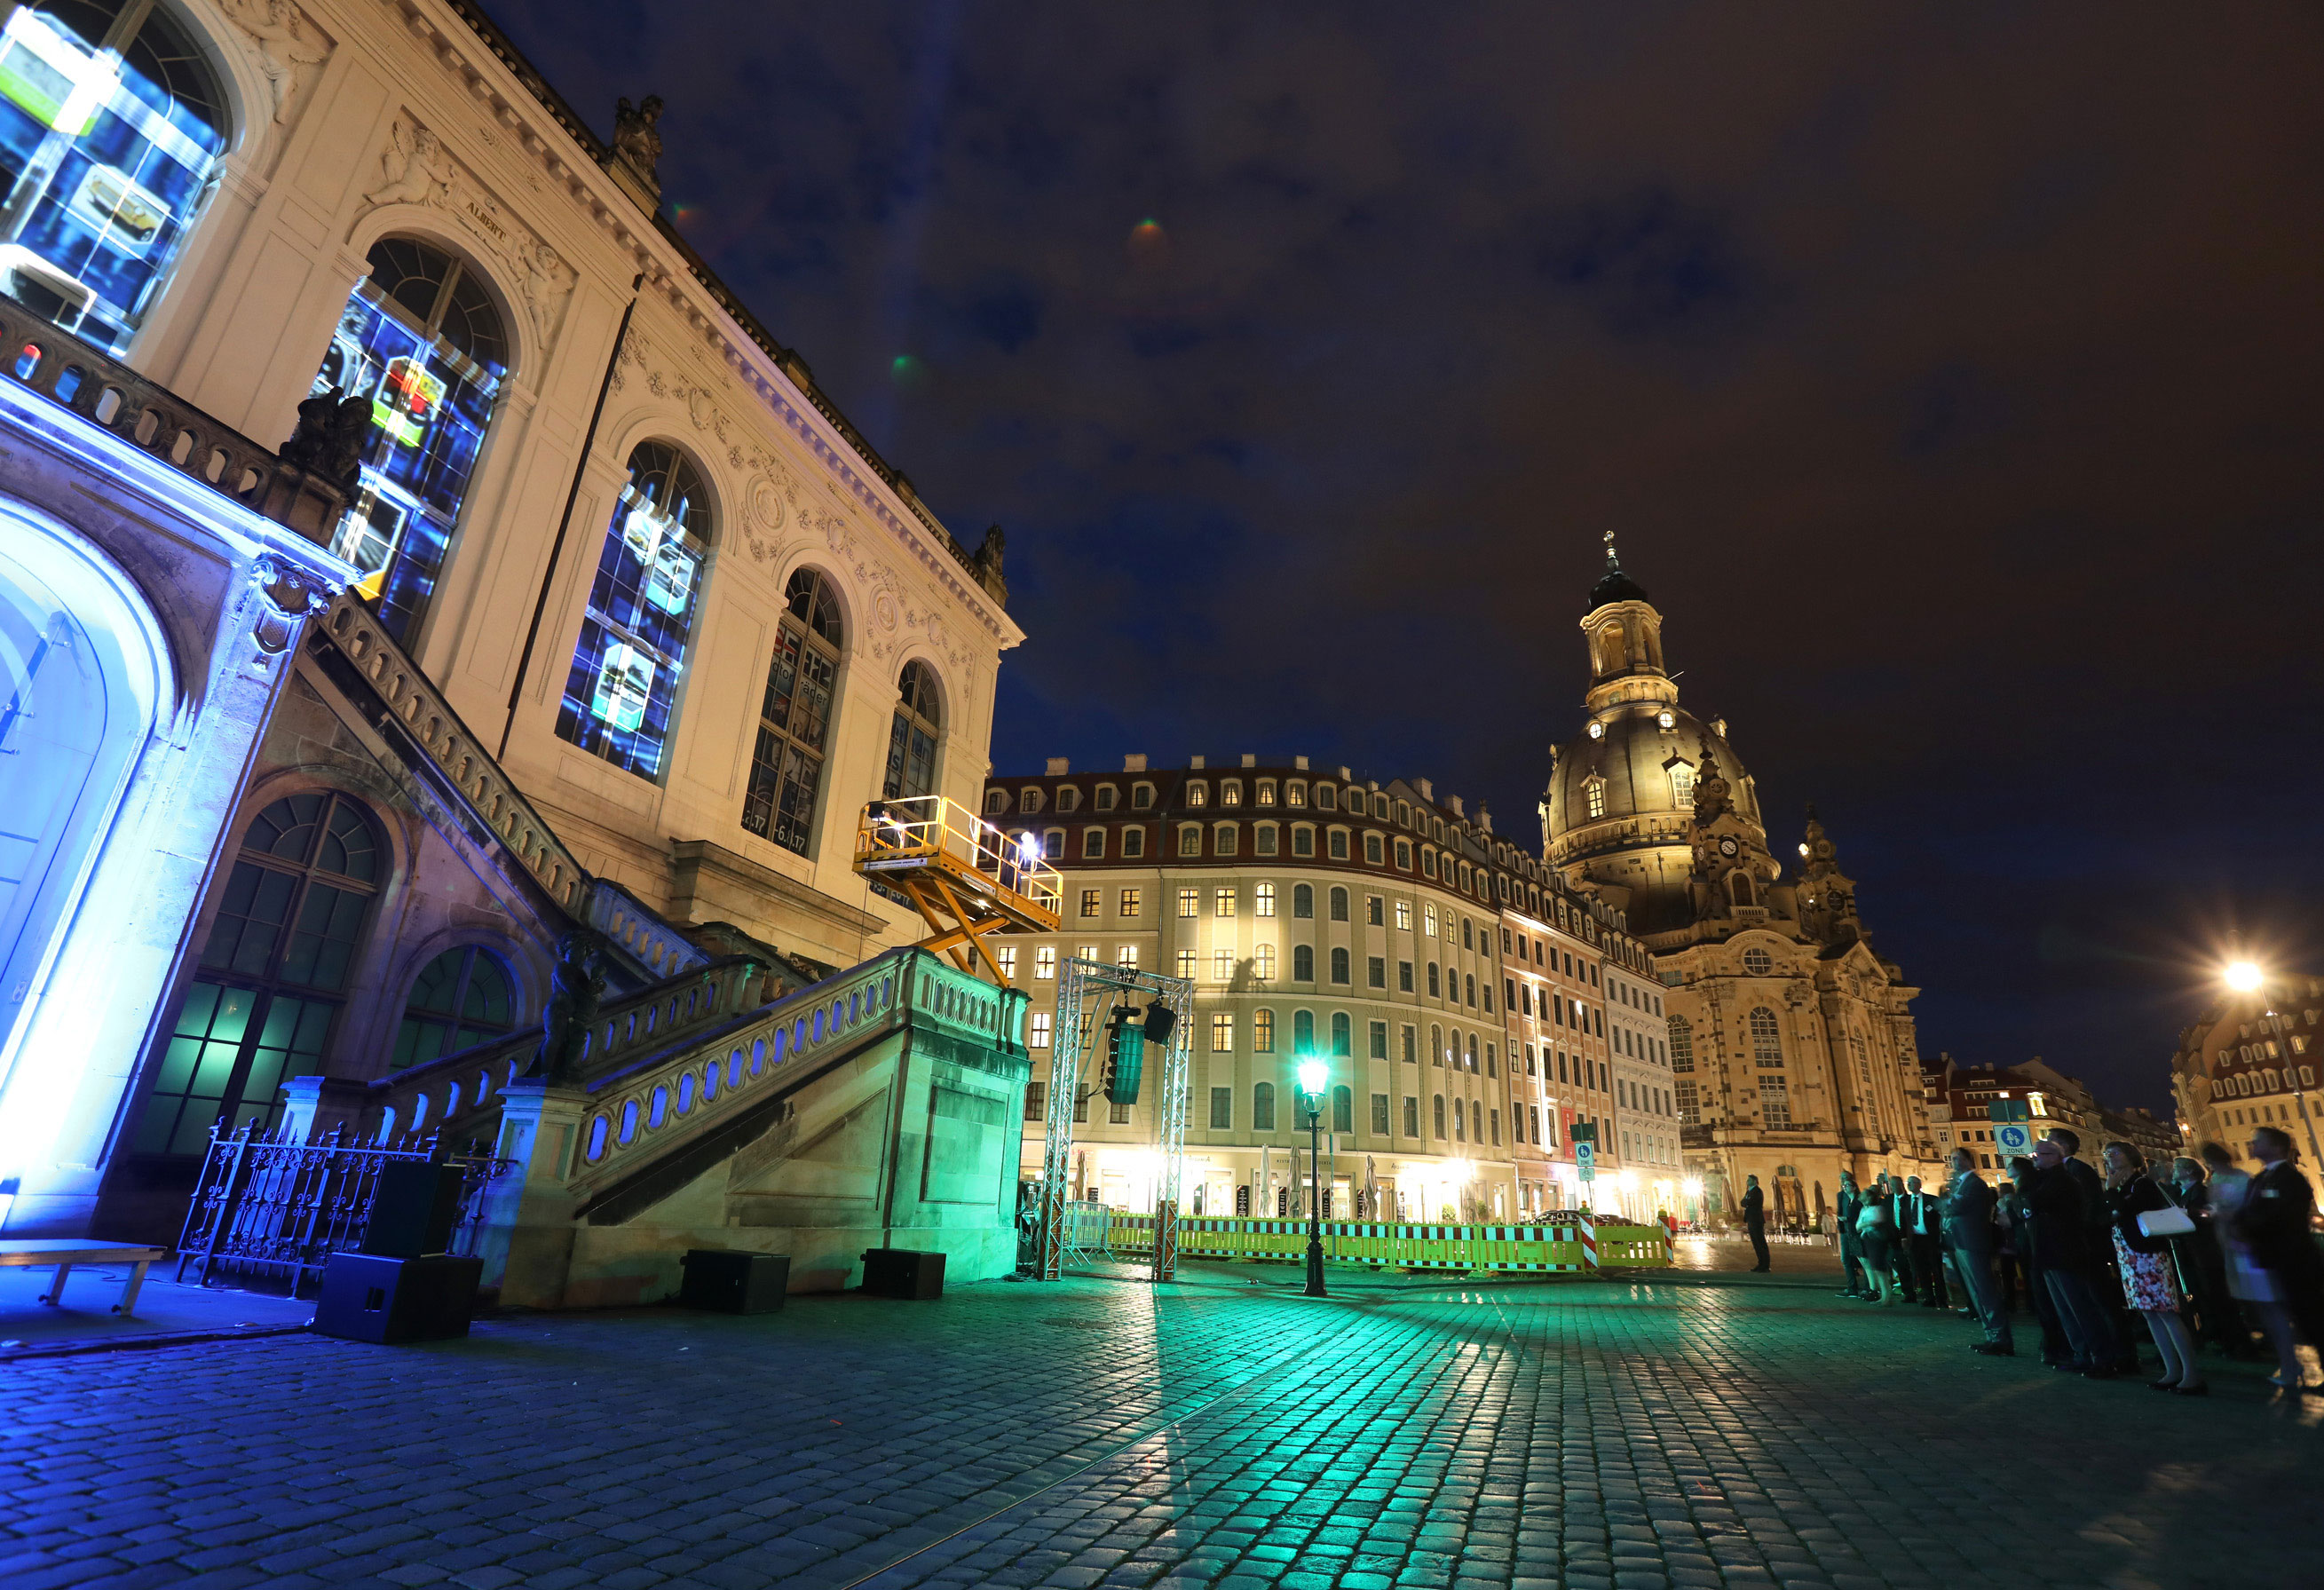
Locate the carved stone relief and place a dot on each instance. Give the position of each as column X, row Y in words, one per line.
column 290, row 49
column 418, row 169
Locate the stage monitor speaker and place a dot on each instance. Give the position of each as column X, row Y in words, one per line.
column 413, row 1209
column 729, row 1283
column 903, row 1272
column 370, row 1297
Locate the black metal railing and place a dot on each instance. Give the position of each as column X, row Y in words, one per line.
column 272, row 1207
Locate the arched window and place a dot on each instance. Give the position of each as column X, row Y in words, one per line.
column 1682, row 1044
column 1343, row 1110
column 1303, row 1032
column 1681, row 777
column 1739, row 890
column 286, row 928
column 111, row 123
column 1262, row 1106
column 1302, row 963
column 1339, row 904
column 1476, row 1122
column 623, row 686
column 1303, row 900
column 1342, row 1034
column 1440, row 1114
column 419, row 340
column 1339, row 966
column 795, row 717
column 1767, row 1038
column 912, row 741
column 1262, row 962
column 1459, row 1122
column 462, row 998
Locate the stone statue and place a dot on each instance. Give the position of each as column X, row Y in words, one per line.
column 988, row 552
column 576, row 984
column 329, row 442
column 635, row 138
column 546, row 283
column 418, row 171
column 286, row 50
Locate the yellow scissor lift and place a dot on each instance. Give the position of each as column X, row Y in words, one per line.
column 965, row 877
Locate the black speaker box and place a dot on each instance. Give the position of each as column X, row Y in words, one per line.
column 413, row 1208
column 728, row 1282
column 368, row 1298
column 903, row 1272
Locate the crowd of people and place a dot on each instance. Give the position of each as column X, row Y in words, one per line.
column 2199, row 1250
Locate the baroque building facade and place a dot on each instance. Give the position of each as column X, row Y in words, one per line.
column 1791, row 1041
column 2251, row 1060
column 572, row 606
column 1375, row 925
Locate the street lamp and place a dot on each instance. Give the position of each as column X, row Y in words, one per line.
column 1313, row 1075
column 2247, row 977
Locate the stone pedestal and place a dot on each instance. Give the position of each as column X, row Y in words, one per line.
column 315, row 1106
column 526, row 1235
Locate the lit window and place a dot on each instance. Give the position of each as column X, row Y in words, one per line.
column 1038, row 1036
column 1085, row 952
column 1262, row 963
column 1186, row 965
column 420, row 340
column 1125, row 958
column 1428, row 920
column 912, row 741
column 1404, row 916
column 1222, row 903
column 1231, row 793
column 1262, row 1033
column 1596, row 790
column 1597, row 731
column 1295, row 795
column 1129, row 903
column 623, row 683
column 1682, row 778
column 1190, row 902
column 1198, row 795
column 1221, row 966
column 1222, row 1033
column 1045, row 961
column 1007, row 955
column 1262, row 900
column 112, row 128
column 1092, row 901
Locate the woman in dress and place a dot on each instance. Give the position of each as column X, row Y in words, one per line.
column 1876, row 1235
column 2147, row 1283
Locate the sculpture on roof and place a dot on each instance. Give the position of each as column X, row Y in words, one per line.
column 637, row 142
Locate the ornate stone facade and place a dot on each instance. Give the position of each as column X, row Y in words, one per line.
column 1792, row 1041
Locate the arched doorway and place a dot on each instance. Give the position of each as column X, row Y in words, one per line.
column 82, row 668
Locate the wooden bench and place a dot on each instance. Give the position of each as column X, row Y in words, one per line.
column 65, row 1251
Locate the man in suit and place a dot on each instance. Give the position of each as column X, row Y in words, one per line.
column 1754, row 1221
column 1969, row 1228
column 1851, row 1246
column 2273, row 1225
column 1928, row 1248
column 2106, row 1279
column 2060, row 1222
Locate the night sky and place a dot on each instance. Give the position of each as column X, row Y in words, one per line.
column 1948, row 373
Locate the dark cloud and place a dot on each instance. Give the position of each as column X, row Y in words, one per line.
column 1947, row 372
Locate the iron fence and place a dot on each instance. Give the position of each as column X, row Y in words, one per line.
column 269, row 1205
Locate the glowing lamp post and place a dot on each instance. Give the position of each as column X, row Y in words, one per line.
column 2247, row 977
column 1313, row 1075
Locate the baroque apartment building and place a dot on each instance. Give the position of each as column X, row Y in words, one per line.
column 570, row 603
column 1791, row 1044
column 2251, row 1060
column 1377, row 926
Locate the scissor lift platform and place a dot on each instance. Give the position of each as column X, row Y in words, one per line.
column 966, row 878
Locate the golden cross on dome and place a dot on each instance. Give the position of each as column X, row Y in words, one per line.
column 1611, row 556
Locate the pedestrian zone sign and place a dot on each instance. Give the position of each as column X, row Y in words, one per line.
column 1585, row 1155
column 2010, row 1139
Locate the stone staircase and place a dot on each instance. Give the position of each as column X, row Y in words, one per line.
column 882, row 1106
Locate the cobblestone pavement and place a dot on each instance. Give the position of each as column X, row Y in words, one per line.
column 1717, row 1430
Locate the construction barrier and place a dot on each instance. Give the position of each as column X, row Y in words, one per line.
column 1571, row 1243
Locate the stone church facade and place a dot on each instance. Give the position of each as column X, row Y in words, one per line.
column 1792, row 1044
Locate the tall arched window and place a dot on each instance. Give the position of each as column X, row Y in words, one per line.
column 1262, row 1106
column 461, row 998
column 1739, row 890
column 1339, row 904
column 795, row 716
column 1339, row 966
column 110, row 123
column 1439, row 1114
column 420, row 340
column 912, row 740
column 1343, row 1110
column 265, row 991
column 1342, row 1034
column 1303, row 900
column 1682, row 1044
column 1303, row 1032
column 623, row 686
column 1767, row 1038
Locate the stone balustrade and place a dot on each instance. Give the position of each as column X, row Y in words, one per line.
column 459, row 1095
column 431, row 721
column 644, row 937
column 73, row 374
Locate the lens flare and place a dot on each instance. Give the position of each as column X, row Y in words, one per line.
column 2243, row 976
